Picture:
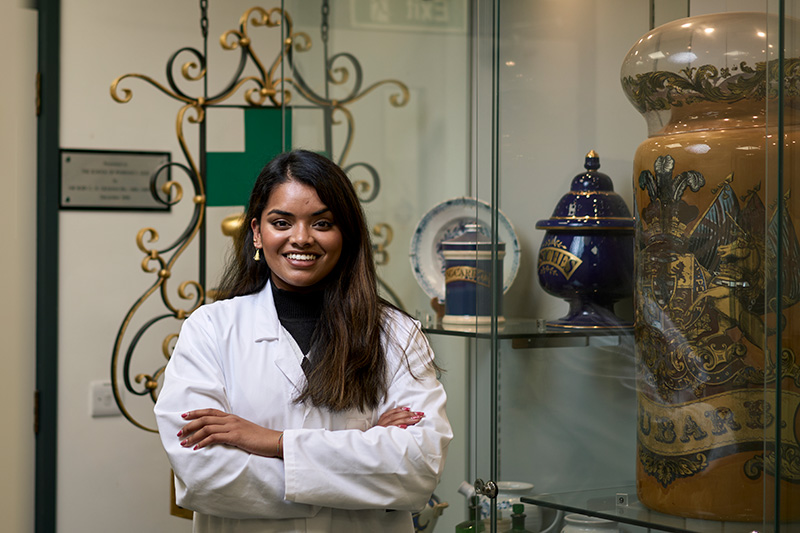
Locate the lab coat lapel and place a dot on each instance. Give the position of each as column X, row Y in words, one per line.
column 267, row 329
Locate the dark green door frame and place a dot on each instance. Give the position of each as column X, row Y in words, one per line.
column 47, row 165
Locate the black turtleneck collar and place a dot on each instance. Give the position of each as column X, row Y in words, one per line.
column 298, row 312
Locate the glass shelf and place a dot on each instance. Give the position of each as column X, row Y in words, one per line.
column 532, row 333
column 621, row 504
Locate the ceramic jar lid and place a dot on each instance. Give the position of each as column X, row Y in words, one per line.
column 469, row 242
column 590, row 204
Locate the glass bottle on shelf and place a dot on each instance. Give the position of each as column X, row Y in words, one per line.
column 473, row 524
column 518, row 519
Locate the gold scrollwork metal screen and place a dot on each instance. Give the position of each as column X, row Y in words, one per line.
column 261, row 86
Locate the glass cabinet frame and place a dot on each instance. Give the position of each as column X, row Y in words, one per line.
column 490, row 345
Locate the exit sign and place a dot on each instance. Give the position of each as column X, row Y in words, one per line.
column 415, row 15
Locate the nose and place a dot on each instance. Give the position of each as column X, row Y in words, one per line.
column 301, row 236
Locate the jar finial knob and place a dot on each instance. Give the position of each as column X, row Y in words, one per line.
column 592, row 161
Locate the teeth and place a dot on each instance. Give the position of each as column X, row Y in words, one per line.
column 301, row 257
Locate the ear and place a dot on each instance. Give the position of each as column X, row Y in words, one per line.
column 256, row 227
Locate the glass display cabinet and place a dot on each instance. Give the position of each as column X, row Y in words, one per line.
column 687, row 421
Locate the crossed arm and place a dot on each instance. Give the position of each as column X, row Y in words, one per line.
column 205, row 427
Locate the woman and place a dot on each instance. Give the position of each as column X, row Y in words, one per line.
column 301, row 401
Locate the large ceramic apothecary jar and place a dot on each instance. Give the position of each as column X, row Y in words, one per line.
column 717, row 282
column 586, row 256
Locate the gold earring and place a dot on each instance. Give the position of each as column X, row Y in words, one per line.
column 256, row 257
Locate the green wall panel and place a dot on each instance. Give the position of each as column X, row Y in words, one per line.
column 230, row 175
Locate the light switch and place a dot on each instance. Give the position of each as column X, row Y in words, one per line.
column 101, row 399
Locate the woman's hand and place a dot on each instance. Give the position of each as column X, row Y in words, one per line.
column 401, row 417
column 211, row 426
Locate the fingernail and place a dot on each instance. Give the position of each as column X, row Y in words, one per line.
column 183, row 442
column 180, row 433
column 406, row 408
column 415, row 417
column 402, row 426
column 420, row 413
column 184, row 415
column 195, row 447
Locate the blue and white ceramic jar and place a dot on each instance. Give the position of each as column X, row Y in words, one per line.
column 586, row 256
column 468, row 278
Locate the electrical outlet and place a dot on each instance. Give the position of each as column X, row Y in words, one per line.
column 101, row 399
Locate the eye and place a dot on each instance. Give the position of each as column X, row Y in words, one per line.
column 323, row 224
column 280, row 224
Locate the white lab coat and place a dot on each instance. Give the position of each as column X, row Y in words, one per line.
column 340, row 472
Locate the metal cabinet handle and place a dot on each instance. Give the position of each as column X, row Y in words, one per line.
column 488, row 489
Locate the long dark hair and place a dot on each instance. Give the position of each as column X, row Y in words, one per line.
column 350, row 363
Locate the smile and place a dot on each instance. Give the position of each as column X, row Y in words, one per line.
column 301, row 257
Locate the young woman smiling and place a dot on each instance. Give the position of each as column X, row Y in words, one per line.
column 300, row 400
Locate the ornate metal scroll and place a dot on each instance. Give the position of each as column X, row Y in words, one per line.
column 661, row 90
column 271, row 85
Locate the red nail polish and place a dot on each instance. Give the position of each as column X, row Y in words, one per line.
column 402, row 426
column 180, row 433
column 195, row 447
column 420, row 413
column 405, row 408
column 184, row 415
column 183, row 442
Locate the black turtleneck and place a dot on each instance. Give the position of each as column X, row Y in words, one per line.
column 299, row 313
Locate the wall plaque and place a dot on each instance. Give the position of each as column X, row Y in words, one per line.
column 106, row 179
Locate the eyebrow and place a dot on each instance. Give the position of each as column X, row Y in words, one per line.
column 288, row 214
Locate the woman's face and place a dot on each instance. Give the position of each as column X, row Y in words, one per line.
column 299, row 238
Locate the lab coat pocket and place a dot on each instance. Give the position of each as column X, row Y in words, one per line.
column 357, row 423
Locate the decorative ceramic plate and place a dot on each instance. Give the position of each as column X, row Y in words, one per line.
column 446, row 221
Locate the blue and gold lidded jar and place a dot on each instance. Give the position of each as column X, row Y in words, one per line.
column 468, row 278
column 586, row 256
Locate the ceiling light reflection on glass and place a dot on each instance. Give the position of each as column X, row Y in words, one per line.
column 683, row 57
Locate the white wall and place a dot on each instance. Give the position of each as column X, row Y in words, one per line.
column 112, row 476
column 18, row 265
